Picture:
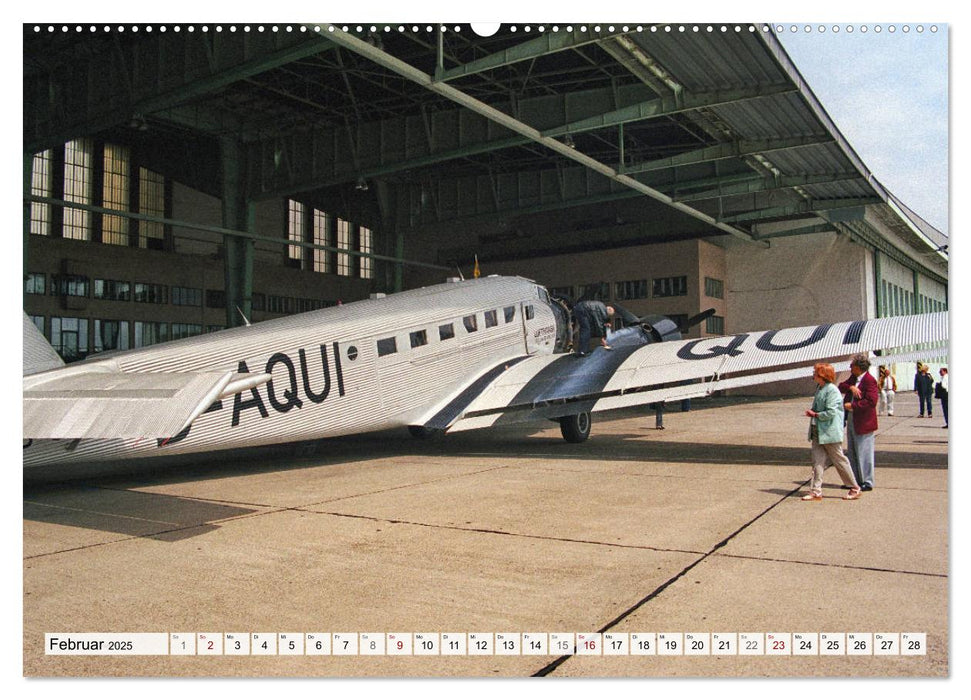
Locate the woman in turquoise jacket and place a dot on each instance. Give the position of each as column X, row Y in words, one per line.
column 826, row 435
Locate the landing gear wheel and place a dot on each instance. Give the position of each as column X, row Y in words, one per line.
column 576, row 428
column 420, row 432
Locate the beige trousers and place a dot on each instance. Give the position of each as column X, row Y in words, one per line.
column 823, row 456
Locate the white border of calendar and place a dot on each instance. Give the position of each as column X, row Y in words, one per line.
column 11, row 650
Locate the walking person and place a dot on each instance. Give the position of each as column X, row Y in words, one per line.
column 924, row 386
column 888, row 389
column 940, row 391
column 862, row 396
column 826, row 435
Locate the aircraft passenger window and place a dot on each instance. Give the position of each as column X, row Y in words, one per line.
column 387, row 346
column 446, row 331
column 491, row 319
column 470, row 323
column 419, row 338
column 510, row 313
column 529, row 312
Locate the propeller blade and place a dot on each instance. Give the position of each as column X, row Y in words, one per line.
column 696, row 319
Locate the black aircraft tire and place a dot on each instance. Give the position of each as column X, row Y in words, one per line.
column 576, row 428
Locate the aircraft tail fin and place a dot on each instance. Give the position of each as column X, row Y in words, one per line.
column 38, row 353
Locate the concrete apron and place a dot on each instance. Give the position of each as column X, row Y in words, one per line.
column 694, row 529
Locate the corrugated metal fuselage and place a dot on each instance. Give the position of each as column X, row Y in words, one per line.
column 364, row 366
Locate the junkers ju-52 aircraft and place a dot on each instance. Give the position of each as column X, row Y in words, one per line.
column 449, row 357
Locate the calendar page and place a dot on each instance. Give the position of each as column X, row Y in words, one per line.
column 202, row 505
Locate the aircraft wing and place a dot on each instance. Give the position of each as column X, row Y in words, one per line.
column 637, row 372
column 99, row 401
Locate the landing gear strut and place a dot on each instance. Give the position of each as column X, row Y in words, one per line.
column 576, row 428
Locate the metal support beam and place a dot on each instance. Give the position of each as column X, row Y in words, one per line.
column 855, row 206
column 237, row 213
column 411, row 73
column 27, row 185
column 666, row 106
column 543, row 45
column 734, row 149
column 139, row 79
column 757, row 183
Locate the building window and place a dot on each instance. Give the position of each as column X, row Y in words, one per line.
column 41, row 185
column 149, row 293
column 77, row 188
column 259, row 301
column 366, row 242
column 714, row 288
column 215, row 299
column 150, row 333
column 598, row 291
column 38, row 321
column 110, row 335
column 112, row 290
column 186, row 296
column 214, row 328
column 344, row 243
column 715, row 325
column 321, row 237
column 69, row 337
column 185, row 330
column 115, row 194
column 491, row 318
column 295, row 228
column 562, row 292
column 70, row 285
column 36, row 283
column 387, row 346
column 630, row 289
column 671, row 287
column 446, row 331
column 151, row 201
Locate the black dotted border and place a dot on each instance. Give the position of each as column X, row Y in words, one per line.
column 512, row 28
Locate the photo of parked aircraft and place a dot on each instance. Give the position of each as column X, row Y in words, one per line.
column 455, row 356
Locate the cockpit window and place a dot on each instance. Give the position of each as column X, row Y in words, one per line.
column 543, row 294
column 471, row 325
column 510, row 313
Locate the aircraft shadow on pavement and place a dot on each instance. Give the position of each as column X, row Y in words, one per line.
column 132, row 513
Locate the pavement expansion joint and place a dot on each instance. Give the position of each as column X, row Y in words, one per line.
column 854, row 567
column 402, row 486
column 506, row 533
column 556, row 663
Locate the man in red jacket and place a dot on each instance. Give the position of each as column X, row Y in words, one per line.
column 861, row 394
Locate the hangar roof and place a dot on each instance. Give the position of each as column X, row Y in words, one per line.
column 717, row 125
